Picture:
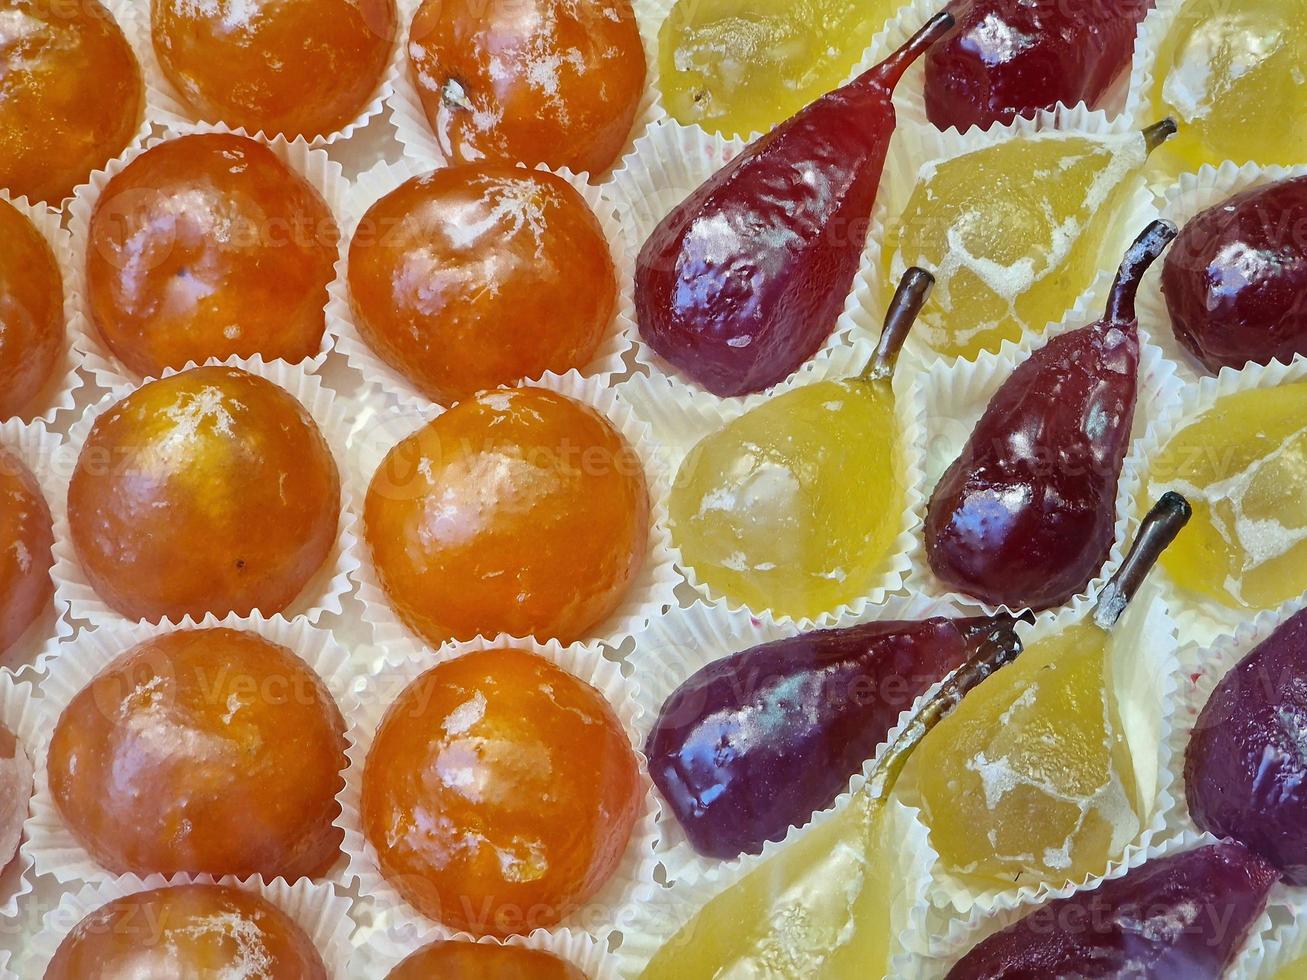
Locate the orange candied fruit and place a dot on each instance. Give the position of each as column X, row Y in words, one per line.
column 25, row 558
column 452, row 958
column 500, row 793
column 32, row 338
column 209, row 246
column 208, row 491
column 71, row 95
column 292, row 67
column 520, row 511
column 481, row 275
column 556, row 82
column 203, row 752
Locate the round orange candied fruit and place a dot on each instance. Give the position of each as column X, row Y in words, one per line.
column 26, row 540
column 209, row 246
column 71, row 95
column 500, row 793
column 556, row 82
column 203, row 752
column 292, row 67
column 481, row 275
column 210, row 491
column 452, row 958
column 520, row 511
column 188, row 931
column 32, row 337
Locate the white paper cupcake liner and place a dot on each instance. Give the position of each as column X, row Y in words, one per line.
column 316, row 908
column 380, row 426
column 614, row 905
column 314, row 166
column 327, row 588
column 1281, row 943
column 607, row 362
column 20, row 713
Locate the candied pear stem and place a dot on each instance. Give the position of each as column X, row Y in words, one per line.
column 889, row 71
column 1158, row 530
column 1159, row 132
column 909, row 298
column 1147, row 247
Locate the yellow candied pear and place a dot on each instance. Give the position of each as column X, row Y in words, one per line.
column 738, row 67
column 1294, row 970
column 1014, row 232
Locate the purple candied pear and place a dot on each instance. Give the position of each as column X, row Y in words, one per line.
column 758, row 741
column 745, row 279
column 1026, row 514
column 1245, row 769
column 1183, row 916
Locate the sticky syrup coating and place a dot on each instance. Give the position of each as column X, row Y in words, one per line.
column 208, row 491
column 71, row 95
column 191, row 931
column 209, row 246
column 464, row 959
column 476, row 276
column 500, row 792
column 203, row 752
column 520, row 511
column 26, row 540
column 32, row 334
column 295, row 67
column 15, row 795
column 556, row 82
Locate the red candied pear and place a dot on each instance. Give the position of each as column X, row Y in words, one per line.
column 1026, row 514
column 745, row 279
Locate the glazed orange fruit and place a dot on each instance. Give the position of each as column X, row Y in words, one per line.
column 209, row 491
column 464, row 961
column 209, row 246
column 295, row 67
column 477, row 276
column 196, row 932
column 25, row 557
column 520, row 511
column 556, row 82
column 31, row 313
column 71, row 95
column 203, row 752
column 500, row 793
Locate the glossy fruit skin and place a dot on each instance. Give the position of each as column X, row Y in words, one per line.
column 208, row 491
column 203, row 752
column 209, row 246
column 468, row 961
column 295, row 67
column 32, row 336
column 481, row 275
column 520, row 511
column 1235, row 281
column 525, row 766
column 1128, row 926
column 824, row 700
column 556, row 82
column 71, row 96
column 1009, row 58
column 188, row 931
column 15, row 795
column 27, row 530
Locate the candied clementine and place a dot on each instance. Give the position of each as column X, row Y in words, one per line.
column 15, row 794
column 296, row 67
column 26, row 537
column 481, row 275
column 556, row 82
column 500, row 793
column 467, row 960
column 31, row 312
column 190, row 931
column 71, row 95
column 203, row 752
column 209, row 246
column 208, row 491
column 520, row 511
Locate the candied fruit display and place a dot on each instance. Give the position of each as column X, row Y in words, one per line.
column 203, row 752
column 556, row 82
column 208, row 491
column 481, row 275
column 71, row 95
column 27, row 534
column 291, row 67
column 466, row 961
column 208, row 246
column 32, row 336
column 15, row 795
column 197, row 932
column 520, row 511
column 499, row 793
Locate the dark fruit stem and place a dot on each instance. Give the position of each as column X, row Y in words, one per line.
column 1158, row 530
column 889, row 71
column 909, row 298
column 1145, row 250
column 1159, row 132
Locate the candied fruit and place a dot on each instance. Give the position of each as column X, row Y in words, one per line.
column 15, row 795
column 31, row 313
column 455, row 959
column 26, row 529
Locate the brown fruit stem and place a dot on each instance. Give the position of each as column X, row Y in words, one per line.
column 1147, row 247
column 889, row 71
column 909, row 298
column 1159, row 132
column 1158, row 530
